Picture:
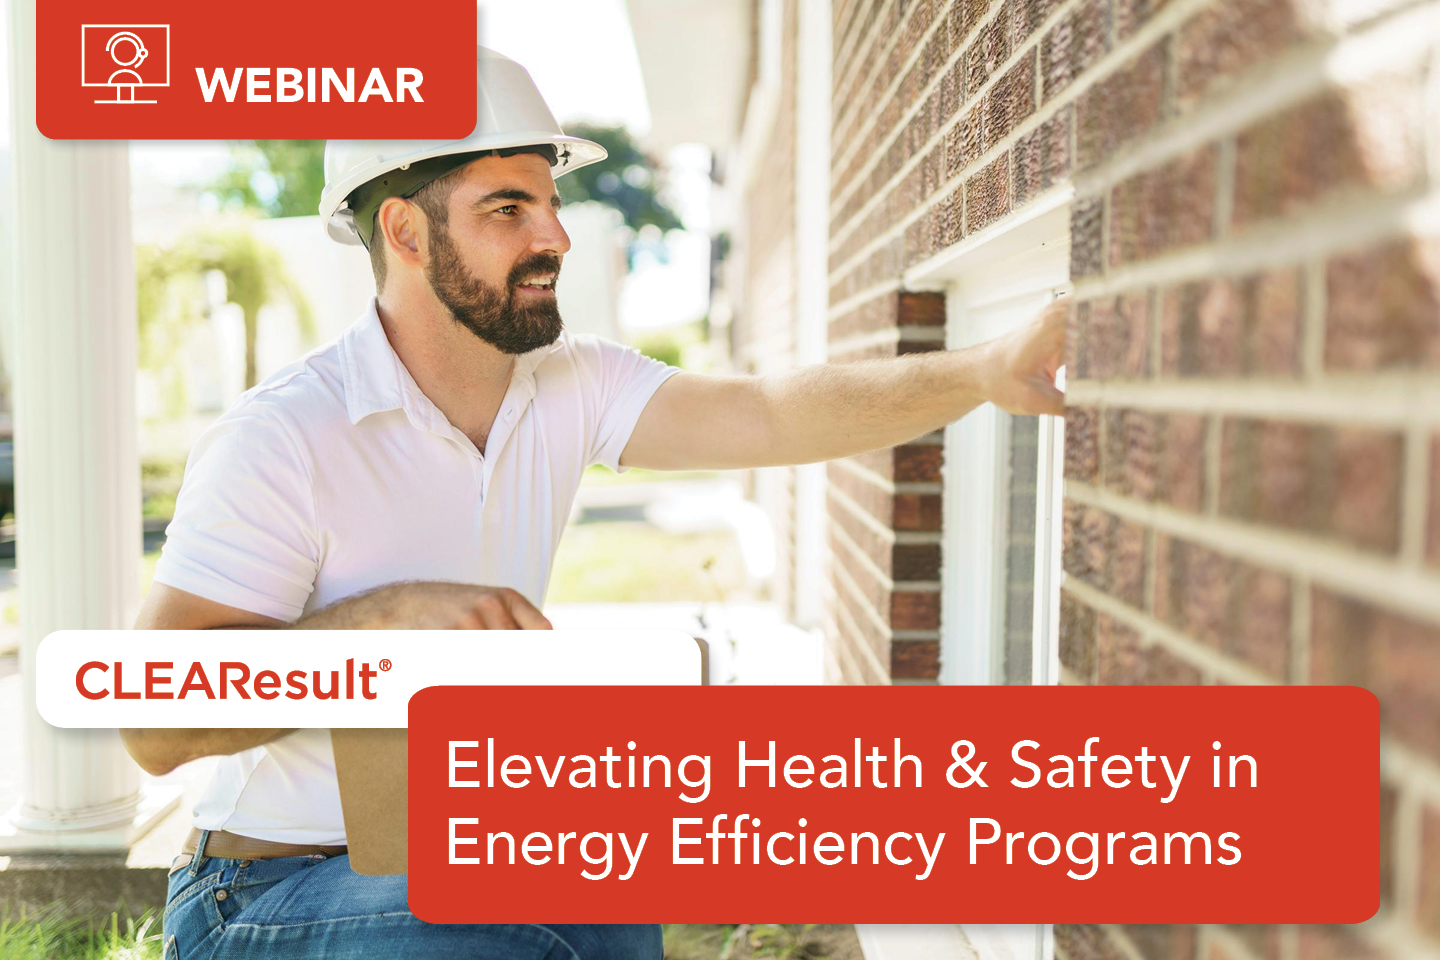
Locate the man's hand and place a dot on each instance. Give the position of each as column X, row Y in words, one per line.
column 1019, row 368
column 460, row 606
column 430, row 606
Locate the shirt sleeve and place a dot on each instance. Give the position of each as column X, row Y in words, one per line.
column 244, row 532
column 620, row 382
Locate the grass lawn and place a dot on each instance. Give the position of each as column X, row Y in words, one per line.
column 48, row 938
column 633, row 562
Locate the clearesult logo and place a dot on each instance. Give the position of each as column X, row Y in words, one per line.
column 335, row 679
column 98, row 679
column 125, row 58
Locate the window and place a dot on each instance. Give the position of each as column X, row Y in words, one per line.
column 1000, row 579
column 1001, row 557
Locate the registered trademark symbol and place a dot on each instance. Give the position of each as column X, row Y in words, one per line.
column 384, row 664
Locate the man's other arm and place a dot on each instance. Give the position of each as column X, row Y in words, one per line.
column 415, row 606
column 838, row 410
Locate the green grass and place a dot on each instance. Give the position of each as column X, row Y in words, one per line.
column 45, row 936
column 633, row 562
column 744, row 941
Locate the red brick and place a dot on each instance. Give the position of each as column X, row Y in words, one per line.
column 1227, row 327
column 918, row 463
column 1366, row 136
column 1085, row 941
column 1156, row 457
column 862, row 632
column 1226, row 39
column 1125, row 660
column 914, row 659
column 964, row 141
column 1042, row 157
column 1396, row 658
column 1163, row 941
column 1334, row 942
column 1112, row 338
column 987, row 194
column 922, row 309
column 1131, row 15
column 1082, row 444
column 1329, row 481
column 1106, row 552
column 879, row 313
column 1026, row 17
column 1433, row 538
column 1164, row 208
column 1383, row 307
column 915, row 561
column 1241, row 610
column 1010, row 100
column 913, row 610
column 1389, row 800
column 1121, row 107
column 951, row 213
column 990, row 48
column 1073, row 45
column 1077, row 637
column 965, row 15
column 917, row 511
column 952, row 90
column 1427, row 910
column 1087, row 246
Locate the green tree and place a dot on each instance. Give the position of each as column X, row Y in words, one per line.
column 277, row 178
column 171, row 288
column 628, row 179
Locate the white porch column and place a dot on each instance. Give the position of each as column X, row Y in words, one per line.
column 812, row 286
column 77, row 470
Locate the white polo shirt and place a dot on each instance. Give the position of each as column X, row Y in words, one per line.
column 337, row 475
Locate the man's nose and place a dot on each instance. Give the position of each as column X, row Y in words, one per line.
column 551, row 236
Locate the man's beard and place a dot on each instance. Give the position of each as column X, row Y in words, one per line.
column 491, row 314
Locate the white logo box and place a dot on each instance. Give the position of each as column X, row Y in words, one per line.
column 389, row 664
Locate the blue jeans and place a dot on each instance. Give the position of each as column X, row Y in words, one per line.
column 293, row 907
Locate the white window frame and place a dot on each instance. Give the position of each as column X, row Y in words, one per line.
column 1025, row 255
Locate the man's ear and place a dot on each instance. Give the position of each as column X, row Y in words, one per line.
column 397, row 224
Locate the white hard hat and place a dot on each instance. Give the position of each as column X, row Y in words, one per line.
column 509, row 112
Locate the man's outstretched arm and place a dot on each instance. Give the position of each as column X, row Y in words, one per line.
column 817, row 413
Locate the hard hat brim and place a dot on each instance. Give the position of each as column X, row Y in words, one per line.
column 572, row 154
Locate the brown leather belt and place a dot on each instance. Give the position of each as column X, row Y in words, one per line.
column 232, row 846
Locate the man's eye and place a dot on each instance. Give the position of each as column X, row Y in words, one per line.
column 509, row 209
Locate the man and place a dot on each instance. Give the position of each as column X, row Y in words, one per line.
column 418, row 473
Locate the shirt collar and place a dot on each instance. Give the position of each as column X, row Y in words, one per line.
column 376, row 380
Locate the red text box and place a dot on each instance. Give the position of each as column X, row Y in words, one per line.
column 108, row 73
column 1299, row 846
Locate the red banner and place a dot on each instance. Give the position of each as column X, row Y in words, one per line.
column 173, row 70
column 894, row 804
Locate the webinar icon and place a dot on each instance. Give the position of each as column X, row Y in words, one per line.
column 125, row 58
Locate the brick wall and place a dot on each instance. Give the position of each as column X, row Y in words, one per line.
column 884, row 510
column 1253, row 444
column 1253, row 359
